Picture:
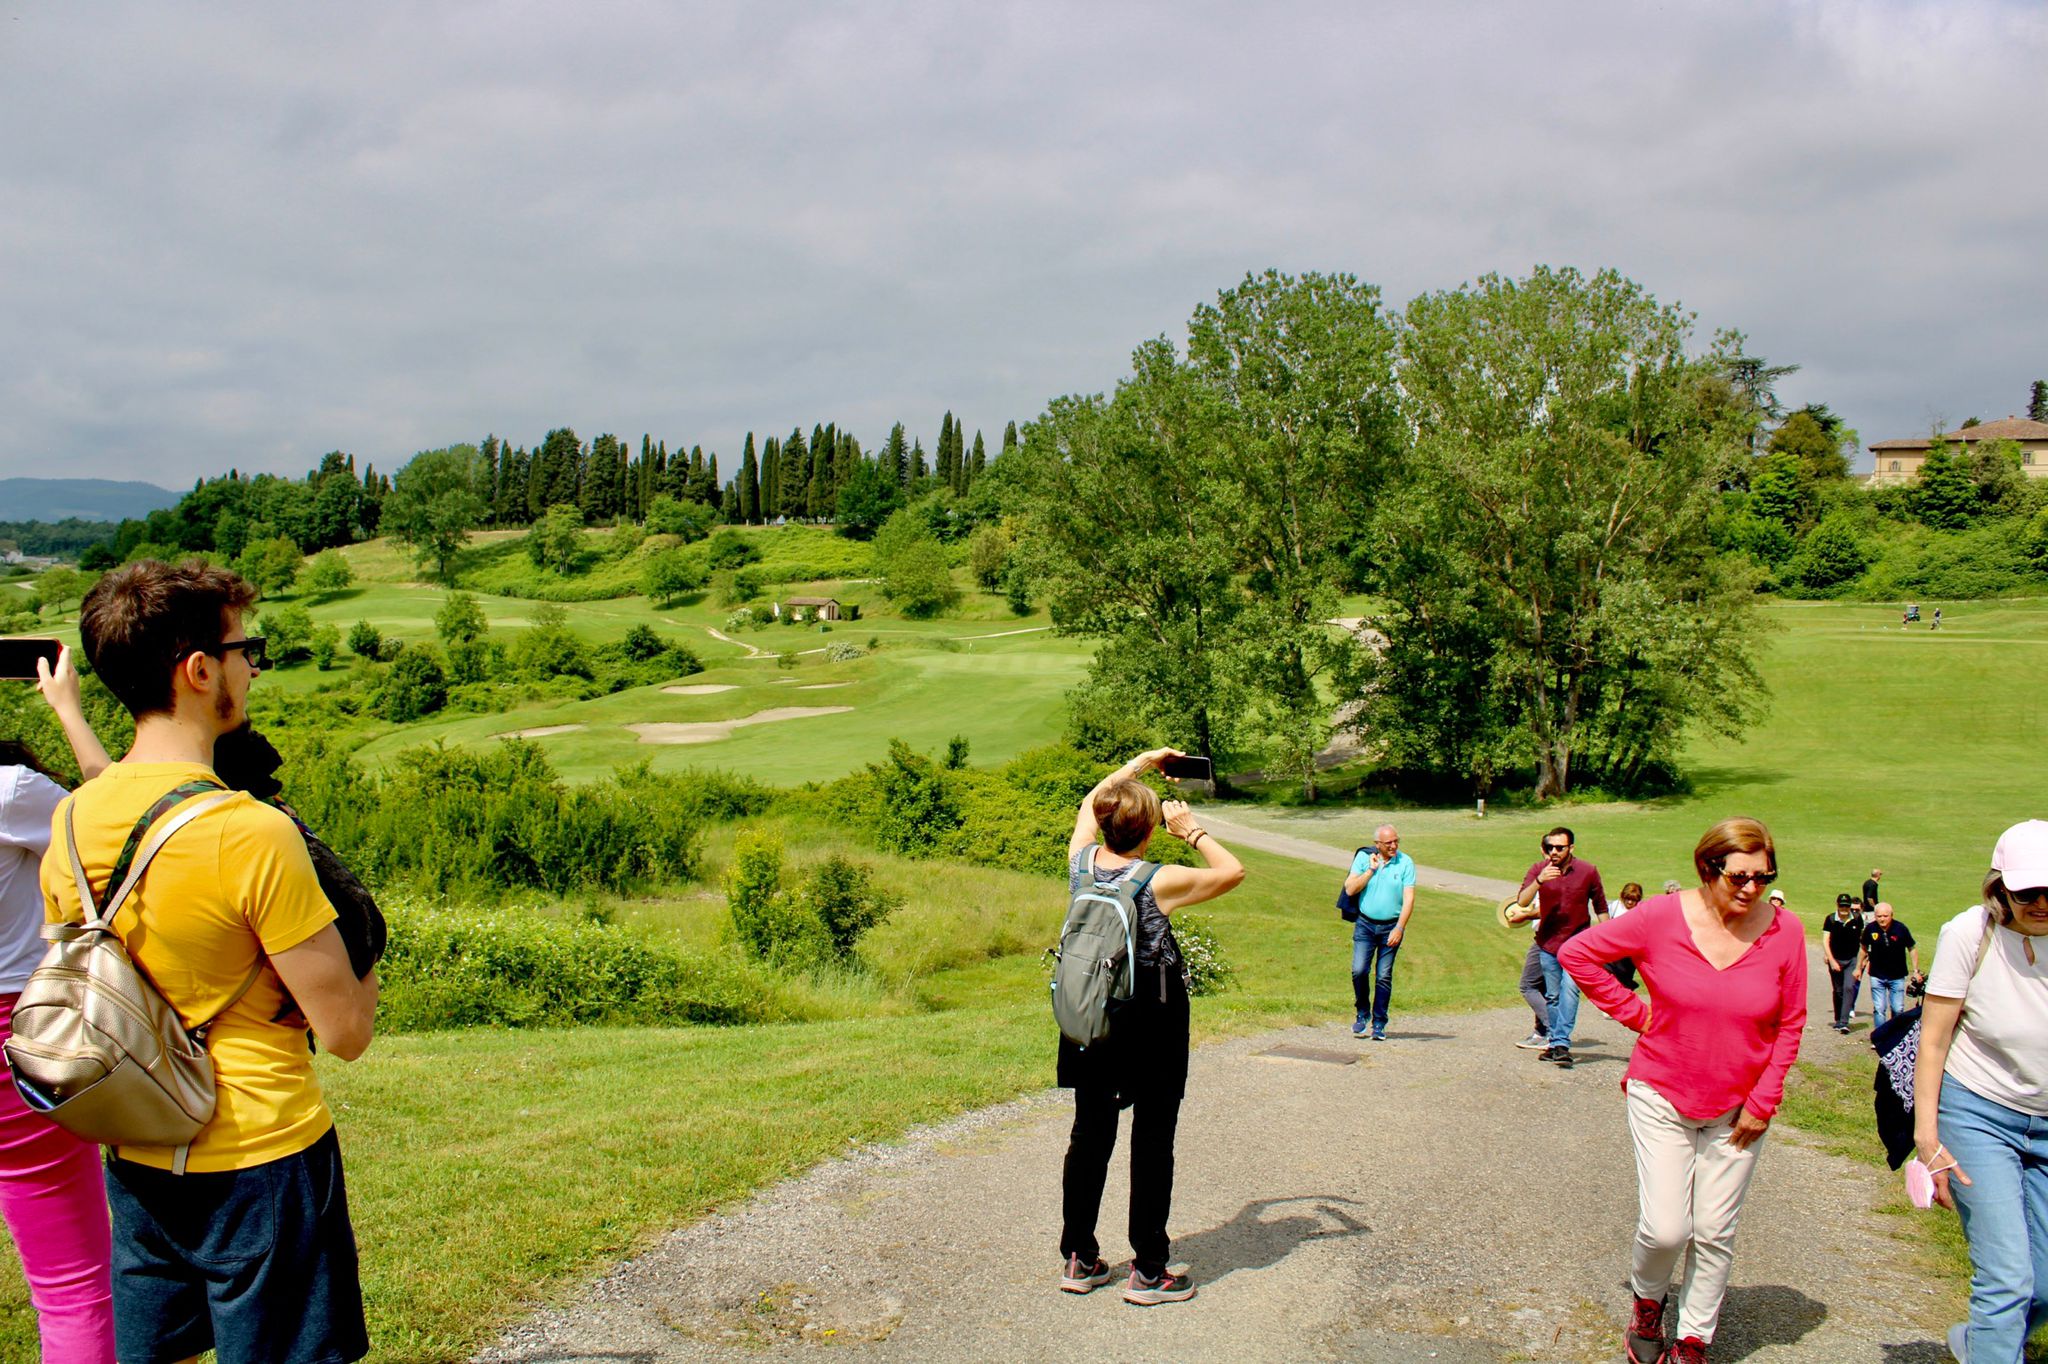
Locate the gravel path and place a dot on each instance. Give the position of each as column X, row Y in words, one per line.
column 1322, row 854
column 1442, row 1196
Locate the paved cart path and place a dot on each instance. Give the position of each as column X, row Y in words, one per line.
column 1443, row 1196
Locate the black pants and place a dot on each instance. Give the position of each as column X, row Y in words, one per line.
column 1150, row 1069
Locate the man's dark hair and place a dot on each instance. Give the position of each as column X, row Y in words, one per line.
column 15, row 753
column 143, row 619
column 1560, row 829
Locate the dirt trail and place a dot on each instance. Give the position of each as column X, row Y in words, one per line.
column 1441, row 1196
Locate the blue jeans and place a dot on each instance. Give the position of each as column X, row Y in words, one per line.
column 1887, row 997
column 1561, row 997
column 1372, row 969
column 2005, row 1217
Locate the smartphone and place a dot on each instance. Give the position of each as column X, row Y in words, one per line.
column 18, row 657
column 1188, row 769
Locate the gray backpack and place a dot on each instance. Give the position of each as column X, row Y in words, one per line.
column 1097, row 959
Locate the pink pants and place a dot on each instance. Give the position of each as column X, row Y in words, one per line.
column 55, row 1202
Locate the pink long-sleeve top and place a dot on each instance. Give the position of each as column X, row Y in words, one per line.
column 1709, row 1039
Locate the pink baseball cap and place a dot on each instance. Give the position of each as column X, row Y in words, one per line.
column 2021, row 857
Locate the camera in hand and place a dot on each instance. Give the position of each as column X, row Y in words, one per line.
column 1185, row 768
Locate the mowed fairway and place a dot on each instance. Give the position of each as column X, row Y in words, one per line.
column 1908, row 750
column 1004, row 694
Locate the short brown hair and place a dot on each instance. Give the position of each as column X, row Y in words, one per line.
column 1127, row 812
column 1739, row 834
column 143, row 619
column 1632, row 891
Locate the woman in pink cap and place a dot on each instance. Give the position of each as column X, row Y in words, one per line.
column 1980, row 1094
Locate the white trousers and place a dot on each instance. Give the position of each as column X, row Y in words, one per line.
column 1691, row 1179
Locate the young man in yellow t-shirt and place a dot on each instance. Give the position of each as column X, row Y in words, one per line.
column 250, row 1251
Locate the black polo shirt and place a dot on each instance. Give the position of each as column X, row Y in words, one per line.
column 1845, row 938
column 1887, row 948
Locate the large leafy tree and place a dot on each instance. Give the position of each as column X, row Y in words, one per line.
column 1552, row 597
column 434, row 504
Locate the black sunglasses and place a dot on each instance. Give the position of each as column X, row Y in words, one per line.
column 1739, row 879
column 1555, row 847
column 254, row 649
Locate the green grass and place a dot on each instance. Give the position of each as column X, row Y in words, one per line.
column 489, row 1170
column 1905, row 750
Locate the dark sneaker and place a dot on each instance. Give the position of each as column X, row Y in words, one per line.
column 1535, row 1041
column 1080, row 1278
column 1561, row 1057
column 1646, row 1331
column 1358, row 1028
column 1168, row 1287
column 1547, row 1054
column 1691, row 1350
column 1379, row 1037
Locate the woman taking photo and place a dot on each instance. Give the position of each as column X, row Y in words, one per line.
column 51, row 1192
column 1144, row 1064
column 1726, row 975
column 1980, row 1094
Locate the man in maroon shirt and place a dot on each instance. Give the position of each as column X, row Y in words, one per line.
column 1567, row 891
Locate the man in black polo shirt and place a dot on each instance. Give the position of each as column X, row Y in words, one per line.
column 1842, row 941
column 1889, row 955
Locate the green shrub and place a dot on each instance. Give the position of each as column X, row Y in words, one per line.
column 327, row 573
column 449, row 967
column 843, row 896
column 556, row 539
column 475, row 660
column 481, row 822
column 460, row 620
column 670, row 575
column 687, row 521
column 549, row 649
column 915, row 811
column 776, row 927
column 288, row 630
column 414, row 687
column 730, row 549
column 323, row 646
column 364, row 641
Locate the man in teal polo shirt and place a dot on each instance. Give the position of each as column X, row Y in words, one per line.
column 1383, row 878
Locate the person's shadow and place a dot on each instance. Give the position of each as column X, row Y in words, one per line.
column 1257, row 1238
column 1762, row 1315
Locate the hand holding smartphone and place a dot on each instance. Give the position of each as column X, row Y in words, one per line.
column 1185, row 768
column 18, row 657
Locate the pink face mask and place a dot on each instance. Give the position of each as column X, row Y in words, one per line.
column 1919, row 1184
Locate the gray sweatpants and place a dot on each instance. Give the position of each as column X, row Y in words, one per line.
column 1532, row 987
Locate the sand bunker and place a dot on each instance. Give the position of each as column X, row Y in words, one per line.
column 701, row 689
column 541, row 733
column 711, row 731
column 822, row 686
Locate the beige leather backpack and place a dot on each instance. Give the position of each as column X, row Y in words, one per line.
column 95, row 1047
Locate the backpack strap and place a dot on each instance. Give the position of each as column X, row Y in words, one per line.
column 1141, row 877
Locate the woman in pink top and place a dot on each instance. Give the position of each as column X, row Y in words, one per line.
column 1726, row 973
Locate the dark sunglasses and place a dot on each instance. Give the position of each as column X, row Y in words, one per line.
column 1555, row 847
column 1739, row 879
column 2033, row 896
column 253, row 649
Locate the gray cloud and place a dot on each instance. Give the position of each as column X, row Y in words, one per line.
column 246, row 234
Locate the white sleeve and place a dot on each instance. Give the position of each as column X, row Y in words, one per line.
column 28, row 801
column 1955, row 954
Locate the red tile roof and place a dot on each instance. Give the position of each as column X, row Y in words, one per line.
column 2006, row 428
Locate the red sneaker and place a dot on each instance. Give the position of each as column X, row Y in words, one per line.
column 1646, row 1331
column 1691, row 1350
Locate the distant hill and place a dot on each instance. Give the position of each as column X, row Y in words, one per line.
column 88, row 499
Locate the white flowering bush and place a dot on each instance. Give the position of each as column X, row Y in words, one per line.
column 845, row 651
column 1208, row 972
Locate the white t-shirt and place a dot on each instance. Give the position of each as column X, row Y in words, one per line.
column 1615, row 909
column 2001, row 1045
column 28, row 800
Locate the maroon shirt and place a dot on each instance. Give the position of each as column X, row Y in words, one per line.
column 1568, row 902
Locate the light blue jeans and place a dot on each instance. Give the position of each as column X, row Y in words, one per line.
column 1561, row 997
column 2005, row 1216
column 1887, row 997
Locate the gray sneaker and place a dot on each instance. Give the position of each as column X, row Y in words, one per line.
column 1168, row 1287
column 1535, row 1041
column 1080, row 1278
column 1958, row 1342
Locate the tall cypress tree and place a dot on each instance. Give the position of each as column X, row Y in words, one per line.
column 818, row 497
column 975, row 464
column 948, row 473
column 2037, row 404
column 750, row 483
column 794, row 480
column 771, row 478
column 895, row 457
column 919, row 470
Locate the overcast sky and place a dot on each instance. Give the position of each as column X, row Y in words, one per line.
column 247, row 234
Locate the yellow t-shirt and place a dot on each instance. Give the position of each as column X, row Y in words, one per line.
column 229, row 889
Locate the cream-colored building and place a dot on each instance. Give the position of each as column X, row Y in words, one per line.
column 1899, row 461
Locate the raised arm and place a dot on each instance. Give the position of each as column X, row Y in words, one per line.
column 1085, row 827
column 59, row 687
column 1179, row 887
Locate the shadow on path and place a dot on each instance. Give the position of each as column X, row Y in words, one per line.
column 1917, row 1352
column 1255, row 1240
column 1763, row 1315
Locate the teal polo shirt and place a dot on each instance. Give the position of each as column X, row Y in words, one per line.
column 1380, row 901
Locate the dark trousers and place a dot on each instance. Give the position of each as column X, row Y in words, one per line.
column 1152, row 1073
column 1532, row 988
column 1372, row 969
column 1842, row 981
column 1623, row 971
